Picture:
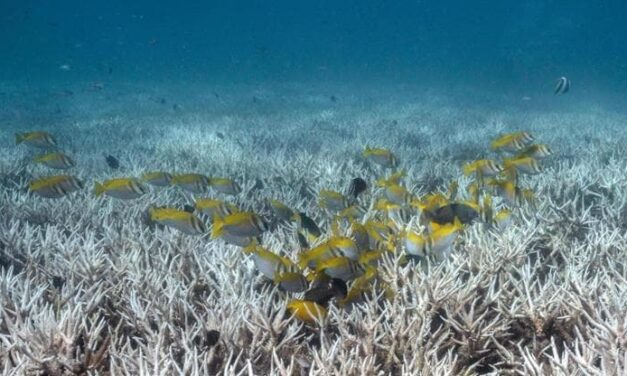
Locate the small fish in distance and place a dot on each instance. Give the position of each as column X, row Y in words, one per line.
column 112, row 162
column 562, row 86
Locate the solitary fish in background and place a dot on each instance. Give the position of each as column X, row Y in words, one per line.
column 356, row 187
column 112, row 162
column 195, row 183
column 181, row 220
column 122, row 188
column 37, row 139
column 382, row 157
column 562, row 86
column 158, row 179
column 56, row 160
column 225, row 185
column 55, row 186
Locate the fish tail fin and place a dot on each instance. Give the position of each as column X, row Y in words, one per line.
column 218, row 228
column 99, row 189
column 19, row 138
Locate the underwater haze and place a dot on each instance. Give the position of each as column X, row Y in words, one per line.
column 313, row 187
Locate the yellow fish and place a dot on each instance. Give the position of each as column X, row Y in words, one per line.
column 55, row 186
column 308, row 312
column 336, row 246
column 512, row 142
column 382, row 157
column 341, row 267
column 56, row 160
column 438, row 243
column 194, row 183
column 37, row 139
column 121, row 188
column 281, row 211
column 398, row 194
column 537, row 151
column 332, row 200
column 510, row 192
column 157, row 178
column 290, row 278
column 225, row 186
column 483, row 167
column 395, row 178
column 181, row 220
column 240, row 224
column 527, row 165
column 266, row 262
column 214, row 208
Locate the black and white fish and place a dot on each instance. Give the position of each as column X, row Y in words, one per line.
column 562, row 86
column 357, row 186
column 112, row 162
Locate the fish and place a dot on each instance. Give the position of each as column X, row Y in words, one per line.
column 214, row 208
column 341, row 267
column 356, row 187
column 57, row 160
column 527, row 165
column 562, row 86
column 112, row 162
column 188, row 208
column 240, row 224
column 36, row 139
column 225, row 186
column 536, row 151
column 157, row 178
column 55, row 186
column 511, row 194
column 324, row 290
column 194, row 183
column 307, row 225
column 281, row 211
column 466, row 212
column 306, row 311
column 220, row 135
column 483, row 167
column 332, row 200
column 398, row 194
column 181, row 220
column 334, row 247
column 382, row 157
column 512, row 142
column 121, row 188
column 395, row 178
column 438, row 243
column 290, row 278
column 266, row 262
column 352, row 212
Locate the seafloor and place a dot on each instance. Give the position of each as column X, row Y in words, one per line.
column 86, row 287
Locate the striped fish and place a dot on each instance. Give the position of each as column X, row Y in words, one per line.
column 225, row 186
column 561, row 86
column 55, row 186
column 37, row 139
column 194, row 183
column 512, row 142
column 181, row 220
column 55, row 160
column 121, row 188
column 157, row 178
column 241, row 224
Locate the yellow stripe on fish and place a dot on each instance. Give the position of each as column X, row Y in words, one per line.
column 55, row 160
column 181, row 220
column 121, row 188
column 55, row 186
column 527, row 165
column 537, row 151
column 214, row 208
column 332, row 200
column 281, row 211
column 483, row 167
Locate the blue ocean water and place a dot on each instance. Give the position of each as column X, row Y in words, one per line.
column 495, row 44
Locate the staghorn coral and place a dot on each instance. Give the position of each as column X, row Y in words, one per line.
column 87, row 288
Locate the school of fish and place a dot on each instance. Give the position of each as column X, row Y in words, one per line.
column 338, row 263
